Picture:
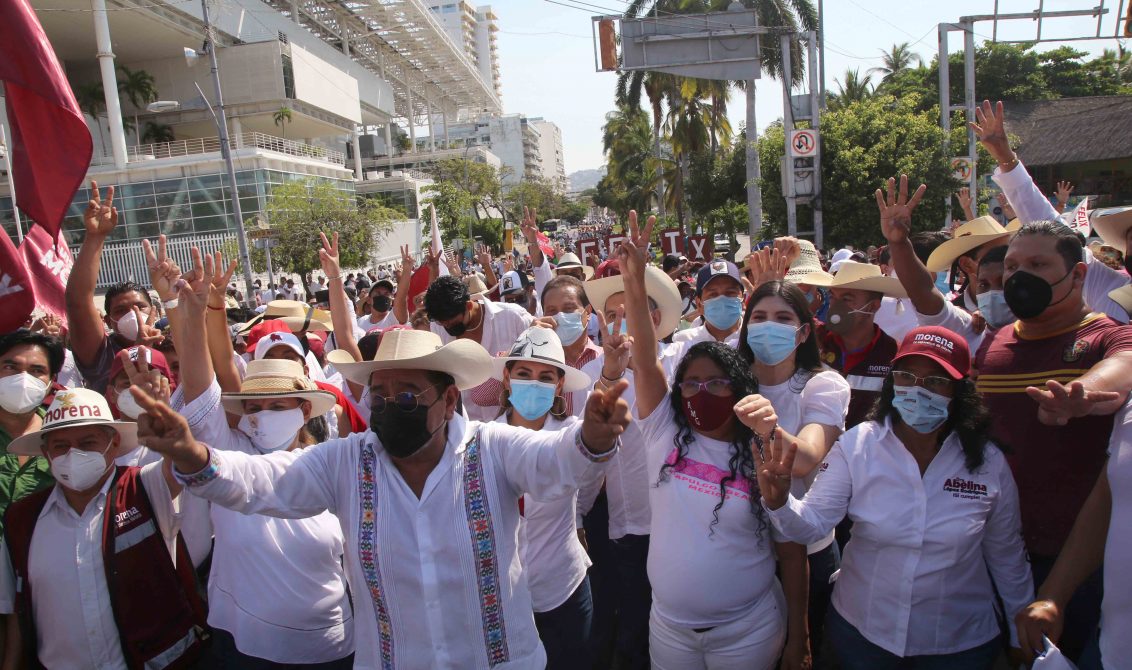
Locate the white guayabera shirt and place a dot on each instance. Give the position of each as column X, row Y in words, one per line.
column 436, row 580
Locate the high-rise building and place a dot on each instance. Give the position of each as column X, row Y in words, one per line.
column 527, row 148
column 552, row 162
column 474, row 30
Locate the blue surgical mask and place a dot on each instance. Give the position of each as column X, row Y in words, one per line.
column 569, row 327
column 942, row 283
column 723, row 312
column 624, row 327
column 993, row 307
column 531, row 399
column 922, row 410
column 771, row 342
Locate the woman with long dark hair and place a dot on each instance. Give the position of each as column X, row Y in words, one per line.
column 936, row 526
column 712, row 555
column 804, row 399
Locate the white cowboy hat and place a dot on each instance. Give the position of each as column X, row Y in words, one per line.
column 806, row 263
column 966, row 237
column 298, row 316
column 465, row 361
column 1123, row 297
column 541, row 345
column 658, row 286
column 860, row 276
column 72, row 408
column 1112, row 223
column 569, row 261
column 277, row 378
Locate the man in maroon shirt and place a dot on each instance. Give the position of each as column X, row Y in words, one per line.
column 1052, row 383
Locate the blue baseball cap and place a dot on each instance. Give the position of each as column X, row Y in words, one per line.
column 716, row 268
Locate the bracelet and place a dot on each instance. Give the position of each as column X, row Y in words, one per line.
column 170, row 304
column 589, row 454
column 611, row 380
column 1008, row 165
column 329, row 277
column 218, row 309
column 206, row 474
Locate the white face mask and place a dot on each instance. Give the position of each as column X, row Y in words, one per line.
column 272, row 430
column 128, row 407
column 79, row 470
column 128, row 326
column 21, row 393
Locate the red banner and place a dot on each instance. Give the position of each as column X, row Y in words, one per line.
column 16, row 297
column 545, row 245
column 51, row 145
column 699, row 248
column 48, row 262
column 587, row 247
column 671, row 242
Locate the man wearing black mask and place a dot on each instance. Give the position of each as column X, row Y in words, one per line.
column 1052, row 382
column 380, row 307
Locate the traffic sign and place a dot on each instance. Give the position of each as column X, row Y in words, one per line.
column 803, row 143
column 961, row 168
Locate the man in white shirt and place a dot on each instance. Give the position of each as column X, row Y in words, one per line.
column 720, row 294
column 426, row 502
column 381, row 307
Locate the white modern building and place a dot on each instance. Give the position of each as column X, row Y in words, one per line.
column 527, row 148
column 551, row 159
column 474, row 28
column 303, row 84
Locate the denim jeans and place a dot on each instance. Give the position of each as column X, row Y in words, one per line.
column 855, row 652
column 823, row 564
column 565, row 630
column 634, row 601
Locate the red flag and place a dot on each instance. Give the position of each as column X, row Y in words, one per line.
column 16, row 298
column 48, row 263
column 545, row 245
column 51, row 144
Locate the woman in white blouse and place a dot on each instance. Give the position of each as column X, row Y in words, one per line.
column 712, row 554
column 536, row 380
column 806, row 400
column 936, row 527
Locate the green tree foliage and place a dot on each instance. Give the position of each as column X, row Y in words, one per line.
column 864, row 144
column 851, row 88
column 630, row 175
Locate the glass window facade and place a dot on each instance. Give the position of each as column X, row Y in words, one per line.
column 183, row 206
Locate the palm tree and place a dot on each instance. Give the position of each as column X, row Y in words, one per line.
column 626, row 137
column 140, row 88
column 894, row 62
column 853, row 89
column 282, row 117
column 157, row 132
column 92, row 100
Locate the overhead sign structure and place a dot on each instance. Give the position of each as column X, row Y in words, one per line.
column 803, row 143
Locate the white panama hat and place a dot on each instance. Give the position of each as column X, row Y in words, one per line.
column 541, row 345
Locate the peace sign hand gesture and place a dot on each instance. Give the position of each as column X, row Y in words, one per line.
column 101, row 216
column 896, row 209
column 328, row 256
column 773, row 465
column 167, row 432
column 143, row 376
column 616, row 345
column 407, row 264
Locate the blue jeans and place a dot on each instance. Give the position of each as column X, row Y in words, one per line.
column 634, row 601
column 823, row 564
column 855, row 652
column 565, row 630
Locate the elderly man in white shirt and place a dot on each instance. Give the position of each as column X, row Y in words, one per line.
column 427, row 503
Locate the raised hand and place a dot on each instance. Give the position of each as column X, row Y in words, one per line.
column 453, row 265
column 989, row 128
column 195, row 286
column 407, row 264
column 767, row 264
column 167, row 432
column 328, row 256
column 101, row 216
column 773, row 465
column 606, row 417
column 896, row 209
column 1058, row 403
column 757, row 413
column 147, row 334
column 1039, row 618
column 966, row 202
column 163, row 272
column 616, row 346
column 529, row 225
column 637, row 235
column 483, row 254
column 1064, row 190
column 144, row 377
column 790, row 248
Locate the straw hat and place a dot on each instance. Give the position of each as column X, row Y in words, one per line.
column 297, row 315
column 1123, row 297
column 569, row 261
column 475, row 284
column 658, row 286
column 1112, row 224
column 860, row 276
column 467, row 362
column 541, row 345
column 966, row 237
column 70, row 409
column 808, row 262
column 278, row 378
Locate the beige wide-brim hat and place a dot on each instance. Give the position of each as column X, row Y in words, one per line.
column 70, row 409
column 542, row 345
column 1123, row 297
column 475, row 284
column 277, row 378
column 966, row 237
column 465, row 361
column 658, row 286
column 1112, row 224
column 570, row 261
column 808, row 262
column 860, row 276
column 297, row 316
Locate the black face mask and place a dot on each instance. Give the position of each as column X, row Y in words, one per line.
column 456, row 329
column 1028, row 295
column 382, row 303
column 402, row 433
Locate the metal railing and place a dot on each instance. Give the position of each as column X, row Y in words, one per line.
column 125, row 261
column 207, row 145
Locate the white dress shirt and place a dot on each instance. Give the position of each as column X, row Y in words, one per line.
column 1116, row 608
column 916, row 575
column 70, row 599
column 552, row 555
column 277, row 585
column 895, row 316
column 436, row 580
column 696, row 334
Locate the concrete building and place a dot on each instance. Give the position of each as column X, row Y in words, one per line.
column 527, row 148
column 342, row 70
column 551, row 159
column 473, row 28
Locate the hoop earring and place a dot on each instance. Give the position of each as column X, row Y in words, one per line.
column 558, row 408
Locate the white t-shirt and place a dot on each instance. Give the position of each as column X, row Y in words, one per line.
column 366, row 322
column 895, row 317
column 1116, row 608
column 704, row 575
column 798, row 402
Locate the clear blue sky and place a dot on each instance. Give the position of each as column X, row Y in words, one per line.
column 547, row 62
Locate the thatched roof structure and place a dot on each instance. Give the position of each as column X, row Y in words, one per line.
column 1072, row 130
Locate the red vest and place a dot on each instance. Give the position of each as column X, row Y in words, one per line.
column 160, row 618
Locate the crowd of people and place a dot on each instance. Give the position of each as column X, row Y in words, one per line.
column 915, row 456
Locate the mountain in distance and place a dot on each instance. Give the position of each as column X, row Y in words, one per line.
column 583, row 179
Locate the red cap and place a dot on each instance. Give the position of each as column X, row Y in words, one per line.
column 153, row 357
column 609, row 268
column 263, row 328
column 939, row 344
